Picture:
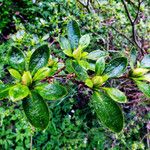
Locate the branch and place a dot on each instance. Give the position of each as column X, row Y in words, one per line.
column 86, row 6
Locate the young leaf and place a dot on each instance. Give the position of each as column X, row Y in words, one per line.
column 100, row 66
column 145, row 63
column 36, row 110
column 145, row 77
column 95, row 55
column 15, row 73
column 39, row 58
column 3, row 91
column 116, row 95
column 73, row 34
column 26, row 78
column 41, row 74
column 133, row 55
column 16, row 59
column 84, row 41
column 18, row 92
column 116, row 67
column 108, row 111
column 144, row 87
column 52, row 91
column 65, row 45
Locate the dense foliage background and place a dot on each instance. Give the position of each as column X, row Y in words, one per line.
column 74, row 125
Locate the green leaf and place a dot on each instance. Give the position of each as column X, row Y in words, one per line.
column 26, row 78
column 84, row 41
column 145, row 63
column 65, row 45
column 15, row 73
column 116, row 94
column 41, row 74
column 16, row 59
column 133, row 55
column 52, row 91
column 100, row 66
column 18, row 92
column 116, row 67
column 95, row 55
column 39, row 58
column 73, row 34
column 4, row 91
column 36, row 110
column 144, row 87
column 89, row 83
column 108, row 111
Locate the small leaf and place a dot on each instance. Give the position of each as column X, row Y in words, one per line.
column 26, row 78
column 16, row 59
column 133, row 55
column 89, row 83
column 4, row 91
column 41, row 74
column 73, row 34
column 145, row 77
column 65, row 45
column 100, row 66
column 145, row 63
column 15, row 73
column 116, row 67
column 39, row 58
column 108, row 111
column 95, row 55
column 18, row 92
column 52, row 91
column 144, row 87
column 116, row 95
column 137, row 72
column 84, row 41
column 36, row 110
column 97, row 81
column 77, row 54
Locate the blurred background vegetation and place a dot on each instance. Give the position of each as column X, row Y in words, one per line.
column 73, row 126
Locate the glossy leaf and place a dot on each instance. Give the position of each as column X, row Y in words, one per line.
column 16, row 59
column 145, row 63
column 144, row 87
column 100, row 66
column 116, row 67
column 108, row 111
column 95, row 55
column 84, row 41
column 14, row 73
column 36, row 110
column 41, row 74
column 26, row 78
column 73, row 34
column 18, row 92
column 39, row 58
column 4, row 91
column 52, row 91
column 65, row 45
column 116, row 95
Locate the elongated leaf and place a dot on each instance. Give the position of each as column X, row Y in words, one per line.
column 95, row 55
column 4, row 91
column 116, row 67
column 144, row 87
column 39, row 58
column 36, row 110
column 100, row 66
column 108, row 111
column 18, row 92
column 16, row 59
column 133, row 55
column 52, row 91
column 15, row 73
column 26, row 78
column 73, row 34
column 145, row 63
column 84, row 41
column 116, row 95
column 65, row 45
